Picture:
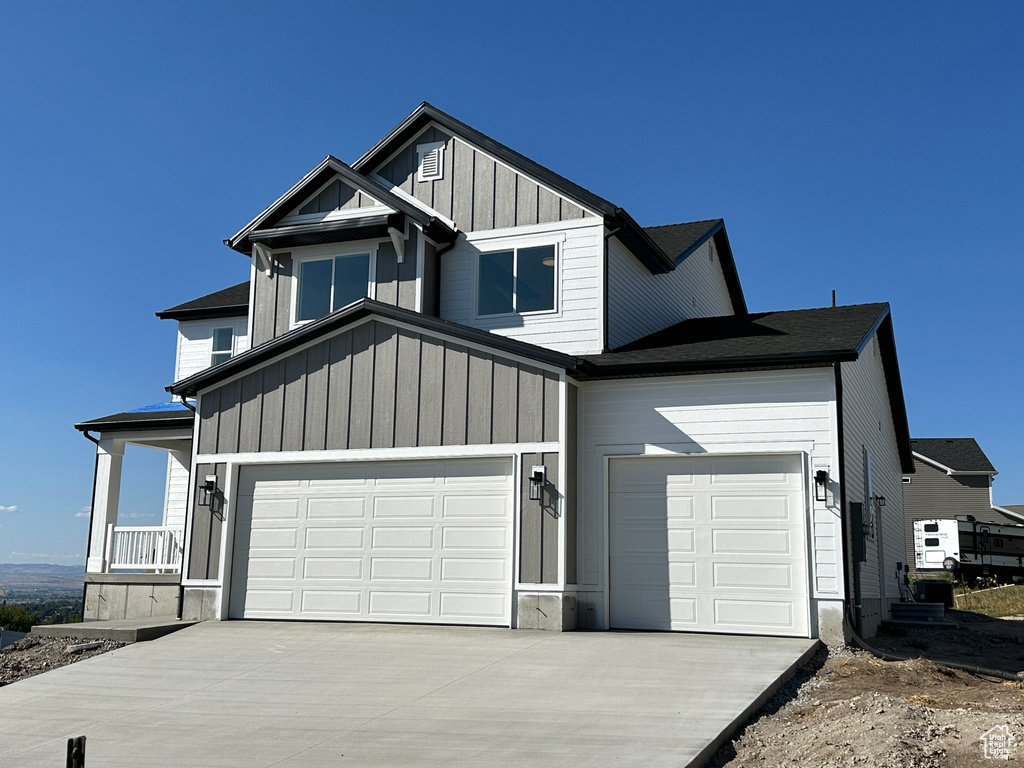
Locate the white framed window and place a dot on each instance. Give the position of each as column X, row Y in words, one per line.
column 327, row 281
column 223, row 345
column 430, row 161
column 517, row 281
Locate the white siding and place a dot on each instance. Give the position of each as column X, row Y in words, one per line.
column 867, row 424
column 176, row 491
column 640, row 303
column 195, row 343
column 576, row 327
column 745, row 413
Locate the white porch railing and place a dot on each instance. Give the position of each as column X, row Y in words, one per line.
column 151, row 547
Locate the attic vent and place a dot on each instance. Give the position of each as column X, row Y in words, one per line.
column 430, row 159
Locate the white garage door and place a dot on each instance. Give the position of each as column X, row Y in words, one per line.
column 708, row 544
column 409, row 541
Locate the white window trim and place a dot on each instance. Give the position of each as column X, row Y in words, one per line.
column 330, row 251
column 422, row 150
column 231, row 350
column 515, row 247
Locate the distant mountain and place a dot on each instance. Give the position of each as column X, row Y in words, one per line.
column 40, row 579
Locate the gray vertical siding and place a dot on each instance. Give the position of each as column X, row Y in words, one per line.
column 206, row 523
column 272, row 302
column 336, row 195
column 379, row 386
column 476, row 192
column 538, row 550
column 571, row 425
column 396, row 283
column 430, row 284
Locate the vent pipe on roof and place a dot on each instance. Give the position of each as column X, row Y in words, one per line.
column 833, row 297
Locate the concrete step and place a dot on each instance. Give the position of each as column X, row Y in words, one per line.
column 122, row 630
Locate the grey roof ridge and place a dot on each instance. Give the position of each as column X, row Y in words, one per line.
column 559, row 183
column 356, row 311
column 369, row 185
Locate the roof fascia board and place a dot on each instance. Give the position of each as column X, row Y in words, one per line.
column 639, row 243
column 399, row 192
column 1009, row 512
column 873, row 329
column 698, row 243
column 592, row 372
column 894, row 388
column 239, row 310
column 949, row 470
column 165, row 428
column 732, row 277
column 347, row 317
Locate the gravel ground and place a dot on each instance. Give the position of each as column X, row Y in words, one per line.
column 34, row 655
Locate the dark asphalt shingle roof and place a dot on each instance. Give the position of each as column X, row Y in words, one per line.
column 676, row 239
column 712, row 343
column 161, row 416
column 961, row 454
column 228, row 302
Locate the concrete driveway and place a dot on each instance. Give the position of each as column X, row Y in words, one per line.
column 304, row 694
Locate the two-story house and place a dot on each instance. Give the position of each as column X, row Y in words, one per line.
column 466, row 390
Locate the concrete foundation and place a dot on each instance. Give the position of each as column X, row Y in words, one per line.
column 130, row 596
column 200, row 604
column 552, row 612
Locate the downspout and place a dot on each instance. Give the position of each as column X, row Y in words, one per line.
column 604, row 298
column 853, row 612
column 87, row 436
column 438, row 252
column 186, row 404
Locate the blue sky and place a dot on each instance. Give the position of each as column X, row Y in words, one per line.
column 876, row 149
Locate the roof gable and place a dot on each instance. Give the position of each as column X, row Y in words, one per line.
column 953, row 454
column 279, row 225
column 426, row 115
column 335, row 195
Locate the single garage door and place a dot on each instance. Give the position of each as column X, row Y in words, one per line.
column 408, row 541
column 708, row 544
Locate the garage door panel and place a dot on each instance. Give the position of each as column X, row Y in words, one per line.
column 749, row 508
column 332, row 568
column 341, row 507
column 377, row 541
column 766, row 615
column 737, row 565
column 473, row 570
column 332, row 602
column 334, row 538
column 751, row 541
column 752, row 576
column 401, row 568
column 403, row 506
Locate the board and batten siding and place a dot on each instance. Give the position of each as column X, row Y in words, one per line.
column 207, row 525
column 539, row 540
column 475, row 191
column 868, row 425
column 931, row 493
column 379, row 386
column 640, row 303
column 335, row 196
column 575, row 327
column 394, row 283
column 742, row 413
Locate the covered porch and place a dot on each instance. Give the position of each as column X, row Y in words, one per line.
column 132, row 571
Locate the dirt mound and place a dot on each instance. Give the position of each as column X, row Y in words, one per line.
column 34, row 655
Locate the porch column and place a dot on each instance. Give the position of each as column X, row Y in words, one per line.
column 105, row 495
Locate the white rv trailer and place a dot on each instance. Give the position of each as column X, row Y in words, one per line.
column 969, row 547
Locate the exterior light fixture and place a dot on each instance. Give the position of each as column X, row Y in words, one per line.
column 206, row 490
column 879, row 501
column 820, row 485
column 537, row 478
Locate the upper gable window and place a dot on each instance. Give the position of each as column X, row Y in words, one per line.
column 223, row 343
column 430, row 161
column 516, row 281
column 327, row 284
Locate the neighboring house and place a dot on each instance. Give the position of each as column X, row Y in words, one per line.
column 952, row 478
column 469, row 391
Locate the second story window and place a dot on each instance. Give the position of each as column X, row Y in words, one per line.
column 223, row 344
column 325, row 285
column 517, row 280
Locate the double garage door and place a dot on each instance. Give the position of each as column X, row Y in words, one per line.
column 708, row 544
column 401, row 541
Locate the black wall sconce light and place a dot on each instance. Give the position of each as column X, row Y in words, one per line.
column 879, row 501
column 206, row 490
column 820, row 485
column 538, row 475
